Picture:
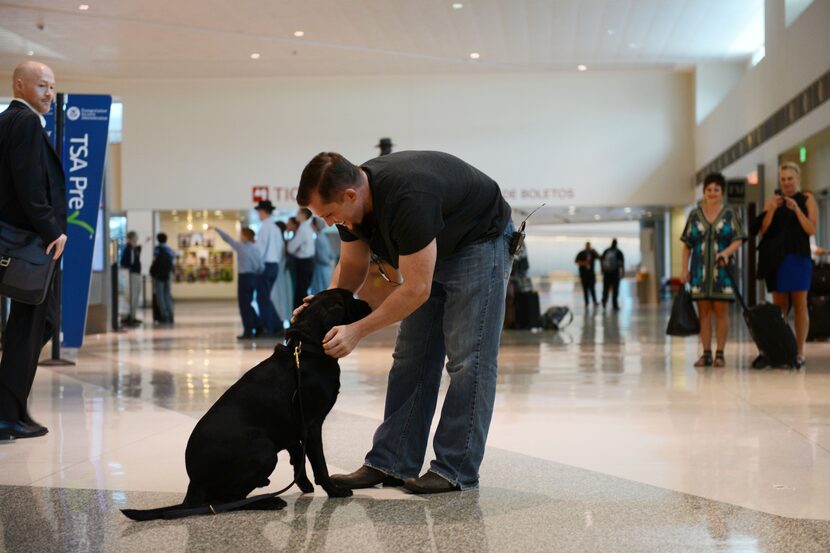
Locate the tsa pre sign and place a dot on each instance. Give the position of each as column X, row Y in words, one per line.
column 85, row 126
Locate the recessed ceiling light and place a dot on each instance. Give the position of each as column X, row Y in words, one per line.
column 581, row 67
column 189, row 226
column 255, row 56
column 83, row 7
column 611, row 32
column 30, row 53
column 597, row 217
column 475, row 55
column 627, row 210
column 205, row 226
column 299, row 33
column 457, row 6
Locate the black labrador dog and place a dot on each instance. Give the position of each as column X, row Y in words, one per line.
column 233, row 448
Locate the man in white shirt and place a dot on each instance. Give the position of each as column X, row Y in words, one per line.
column 272, row 247
column 303, row 249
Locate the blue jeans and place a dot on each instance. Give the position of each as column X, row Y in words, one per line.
column 268, row 313
column 164, row 299
column 247, row 284
column 462, row 320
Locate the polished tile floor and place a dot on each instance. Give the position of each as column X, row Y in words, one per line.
column 604, row 438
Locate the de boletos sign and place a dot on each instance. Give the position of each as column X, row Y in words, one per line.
column 85, row 119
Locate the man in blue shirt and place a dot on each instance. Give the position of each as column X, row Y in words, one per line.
column 272, row 248
column 250, row 266
column 161, row 270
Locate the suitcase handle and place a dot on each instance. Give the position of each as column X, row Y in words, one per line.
column 735, row 289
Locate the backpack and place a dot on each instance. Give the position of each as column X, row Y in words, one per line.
column 162, row 265
column 611, row 262
column 554, row 318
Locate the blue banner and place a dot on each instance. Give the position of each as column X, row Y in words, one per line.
column 85, row 130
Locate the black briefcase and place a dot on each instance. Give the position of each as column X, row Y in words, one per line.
column 25, row 269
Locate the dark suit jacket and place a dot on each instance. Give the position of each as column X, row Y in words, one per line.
column 32, row 183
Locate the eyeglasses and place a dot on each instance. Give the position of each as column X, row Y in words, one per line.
column 376, row 260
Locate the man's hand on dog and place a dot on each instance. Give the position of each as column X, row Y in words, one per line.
column 296, row 313
column 340, row 341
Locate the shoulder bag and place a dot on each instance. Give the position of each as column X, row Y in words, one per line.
column 26, row 270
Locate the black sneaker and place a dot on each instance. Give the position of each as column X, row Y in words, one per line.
column 245, row 336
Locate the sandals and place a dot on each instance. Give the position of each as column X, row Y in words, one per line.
column 720, row 361
column 705, row 359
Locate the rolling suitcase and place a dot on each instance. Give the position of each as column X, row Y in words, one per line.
column 527, row 314
column 821, row 280
column 819, row 308
column 769, row 330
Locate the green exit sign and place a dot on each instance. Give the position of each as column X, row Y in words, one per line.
column 802, row 154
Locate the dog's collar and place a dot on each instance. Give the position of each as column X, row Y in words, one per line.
column 304, row 346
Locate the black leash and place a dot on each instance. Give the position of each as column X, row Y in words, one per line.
column 234, row 505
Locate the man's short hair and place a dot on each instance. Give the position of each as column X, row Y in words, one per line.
column 328, row 174
column 248, row 234
column 161, row 237
column 132, row 235
column 715, row 178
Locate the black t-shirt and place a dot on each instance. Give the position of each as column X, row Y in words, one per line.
column 421, row 196
column 590, row 256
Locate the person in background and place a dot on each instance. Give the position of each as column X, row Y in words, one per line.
column 323, row 258
column 301, row 246
column 586, row 260
column 272, row 247
column 612, row 262
column 250, row 266
column 792, row 217
column 291, row 226
column 131, row 260
column 162, row 272
column 32, row 198
column 283, row 293
column 816, row 251
column 711, row 228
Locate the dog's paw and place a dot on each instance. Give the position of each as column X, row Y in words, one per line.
column 305, row 486
column 337, row 491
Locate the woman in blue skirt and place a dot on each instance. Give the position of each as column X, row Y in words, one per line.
column 793, row 217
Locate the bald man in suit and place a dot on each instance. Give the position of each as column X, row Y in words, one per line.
column 32, row 198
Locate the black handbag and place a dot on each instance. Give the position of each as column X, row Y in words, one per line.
column 25, row 269
column 684, row 320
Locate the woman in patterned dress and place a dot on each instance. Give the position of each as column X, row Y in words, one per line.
column 712, row 235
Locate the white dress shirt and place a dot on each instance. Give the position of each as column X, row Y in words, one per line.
column 28, row 105
column 302, row 245
column 270, row 242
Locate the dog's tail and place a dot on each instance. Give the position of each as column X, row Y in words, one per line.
column 264, row 502
column 150, row 514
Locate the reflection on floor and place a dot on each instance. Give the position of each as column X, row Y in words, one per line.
column 605, row 438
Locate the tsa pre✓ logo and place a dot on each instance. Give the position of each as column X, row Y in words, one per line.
column 73, row 113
